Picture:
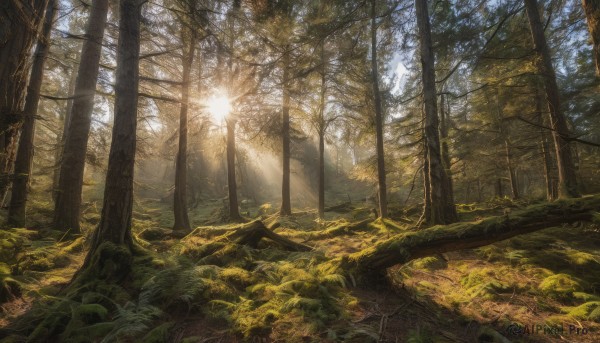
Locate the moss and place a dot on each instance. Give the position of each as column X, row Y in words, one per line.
column 587, row 311
column 155, row 234
column 75, row 246
column 560, row 285
column 430, row 263
column 237, row 276
column 110, row 262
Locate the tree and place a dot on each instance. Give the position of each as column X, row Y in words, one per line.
column 24, row 158
column 567, row 178
column 286, row 202
column 19, row 26
column 182, row 221
column 72, row 166
column 115, row 219
column 592, row 13
column 379, row 116
column 439, row 209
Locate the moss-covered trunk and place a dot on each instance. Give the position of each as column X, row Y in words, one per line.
column 405, row 247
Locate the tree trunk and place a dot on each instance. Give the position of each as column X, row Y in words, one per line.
column 446, row 159
column 368, row 264
column 321, row 206
column 115, row 220
column 498, row 188
column 180, row 210
column 547, row 159
column 286, row 202
column 64, row 117
column 514, row 187
column 381, row 181
column 440, row 211
column 592, row 13
column 70, row 184
column 18, row 200
column 234, row 212
column 19, row 26
column 322, row 127
column 567, row 177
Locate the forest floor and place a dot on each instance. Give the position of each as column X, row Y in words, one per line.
column 538, row 287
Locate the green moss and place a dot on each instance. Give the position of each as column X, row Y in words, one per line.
column 430, row 263
column 237, row 276
column 560, row 285
column 587, row 311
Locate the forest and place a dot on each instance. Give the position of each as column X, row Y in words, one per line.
column 299, row 171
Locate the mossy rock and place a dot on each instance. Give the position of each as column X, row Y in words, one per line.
column 155, row 234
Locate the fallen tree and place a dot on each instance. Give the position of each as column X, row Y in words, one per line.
column 372, row 263
column 249, row 234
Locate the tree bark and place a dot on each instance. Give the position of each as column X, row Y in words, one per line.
column 592, row 14
column 567, row 177
column 440, row 212
column 381, row 177
column 70, row 184
column 180, row 210
column 286, row 202
column 514, row 187
column 546, row 158
column 64, row 117
column 446, row 159
column 372, row 262
column 234, row 212
column 18, row 200
column 322, row 127
column 115, row 220
column 19, row 26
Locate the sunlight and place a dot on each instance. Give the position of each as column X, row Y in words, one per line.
column 219, row 107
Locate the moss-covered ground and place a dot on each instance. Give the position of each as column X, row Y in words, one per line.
column 192, row 289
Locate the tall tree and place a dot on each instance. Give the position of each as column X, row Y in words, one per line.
column 381, row 181
column 24, row 159
column 182, row 221
column 68, row 196
column 19, row 26
column 592, row 13
column 439, row 210
column 234, row 212
column 115, row 220
column 286, row 202
column 567, row 178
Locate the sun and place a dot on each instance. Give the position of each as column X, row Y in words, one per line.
column 219, row 107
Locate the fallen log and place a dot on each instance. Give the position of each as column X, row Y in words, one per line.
column 340, row 208
column 372, row 262
column 249, row 234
